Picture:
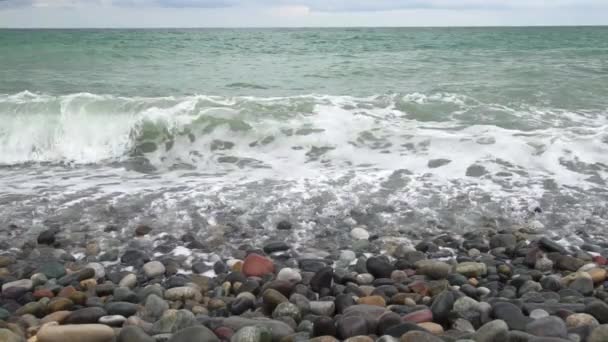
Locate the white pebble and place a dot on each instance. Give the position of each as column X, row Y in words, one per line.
column 359, row 234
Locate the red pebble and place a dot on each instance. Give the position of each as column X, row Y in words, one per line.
column 44, row 293
column 600, row 260
column 419, row 316
column 257, row 266
column 224, row 333
column 66, row 291
column 420, row 287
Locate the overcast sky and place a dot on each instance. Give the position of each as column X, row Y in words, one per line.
column 273, row 13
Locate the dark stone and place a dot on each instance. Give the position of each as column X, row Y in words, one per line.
column 200, row 267
column 511, row 314
column 284, row 225
column 599, row 310
column 503, row 240
column 85, row 273
column 553, row 308
column 402, row 328
column 551, row 246
column 550, row 326
column 134, row 258
column 133, row 333
column 312, row 265
column 220, row 267
column 582, row 285
column 195, row 333
column 343, row 301
column 86, row 315
column 324, row 326
column 568, row 263
column 386, row 321
column 47, row 237
column 349, row 326
column 441, row 307
column 551, row 284
column 142, row 230
column 52, row 269
column 275, row 246
column 121, row 308
column 379, row 267
column 241, row 305
column 322, row 279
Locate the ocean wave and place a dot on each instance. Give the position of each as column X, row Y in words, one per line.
column 453, row 135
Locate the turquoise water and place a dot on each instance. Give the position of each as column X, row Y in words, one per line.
column 441, row 128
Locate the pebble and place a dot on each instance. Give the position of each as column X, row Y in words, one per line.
column 290, row 275
column 23, row 284
column 256, row 265
column 130, row 280
column 471, row 269
column 551, row 326
column 493, row 331
column 581, row 319
column 433, row 269
column 359, row 234
column 195, row 333
column 154, row 269
column 75, row 333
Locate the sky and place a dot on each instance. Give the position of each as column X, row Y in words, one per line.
column 299, row 13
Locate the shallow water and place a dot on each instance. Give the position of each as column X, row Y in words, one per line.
column 399, row 130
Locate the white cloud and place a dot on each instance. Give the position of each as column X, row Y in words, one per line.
column 231, row 13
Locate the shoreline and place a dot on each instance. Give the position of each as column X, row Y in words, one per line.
column 508, row 285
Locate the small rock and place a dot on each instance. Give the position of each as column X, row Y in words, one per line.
column 113, row 320
column 257, row 266
column 322, row 279
column 496, row 330
column 182, row 293
column 154, row 269
column 551, row 246
column 433, row 269
column 289, row 274
column 471, row 269
column 538, row 314
column 23, row 284
column 86, row 315
column 252, row 334
column 284, row 225
column 359, row 234
column 195, row 333
column 287, row 309
column 133, row 334
column 130, row 280
column 323, row 308
column 599, row 334
column 75, row 333
column 372, row 300
column 551, row 326
column 47, row 237
column 419, row 336
column 9, row 336
column 349, row 326
column 581, row 319
column 433, row 328
column 142, row 230
column 379, row 267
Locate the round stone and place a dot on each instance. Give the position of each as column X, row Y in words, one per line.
column 289, row 274
column 359, row 234
column 154, row 269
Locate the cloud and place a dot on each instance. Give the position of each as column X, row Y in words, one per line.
column 321, row 5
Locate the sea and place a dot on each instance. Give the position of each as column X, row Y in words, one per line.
column 207, row 132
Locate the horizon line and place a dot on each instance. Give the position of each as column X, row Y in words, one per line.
column 283, row 27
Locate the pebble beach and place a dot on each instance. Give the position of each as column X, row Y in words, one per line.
column 485, row 286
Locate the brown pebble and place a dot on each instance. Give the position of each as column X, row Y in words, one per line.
column 372, row 300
